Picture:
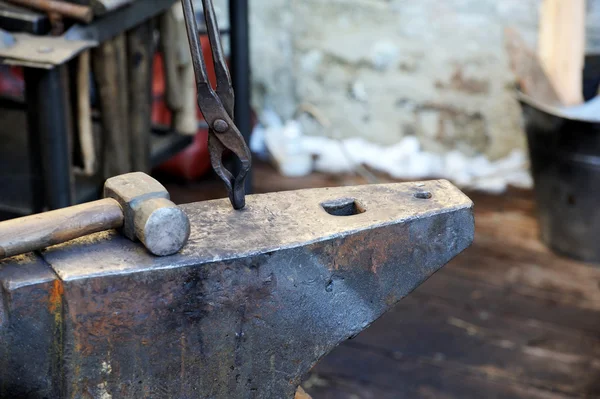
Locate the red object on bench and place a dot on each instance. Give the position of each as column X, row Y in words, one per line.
column 194, row 161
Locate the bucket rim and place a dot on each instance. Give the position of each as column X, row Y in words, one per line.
column 553, row 110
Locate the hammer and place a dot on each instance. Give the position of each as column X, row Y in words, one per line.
column 135, row 203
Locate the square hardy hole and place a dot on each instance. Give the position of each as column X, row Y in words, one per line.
column 343, row 207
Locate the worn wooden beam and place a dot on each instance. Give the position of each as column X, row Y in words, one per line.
column 85, row 129
column 110, row 71
column 139, row 67
column 561, row 47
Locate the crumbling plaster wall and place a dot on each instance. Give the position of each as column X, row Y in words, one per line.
column 384, row 69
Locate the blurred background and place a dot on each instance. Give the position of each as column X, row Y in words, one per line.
column 498, row 96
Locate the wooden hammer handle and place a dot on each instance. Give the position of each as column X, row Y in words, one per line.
column 30, row 233
column 75, row 11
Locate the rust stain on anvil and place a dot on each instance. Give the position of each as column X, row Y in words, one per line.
column 56, row 298
column 368, row 250
column 253, row 301
column 115, row 313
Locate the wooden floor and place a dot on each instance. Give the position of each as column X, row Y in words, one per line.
column 505, row 319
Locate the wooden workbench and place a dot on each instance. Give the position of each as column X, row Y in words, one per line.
column 506, row 319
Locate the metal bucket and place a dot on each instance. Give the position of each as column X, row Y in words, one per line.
column 564, row 147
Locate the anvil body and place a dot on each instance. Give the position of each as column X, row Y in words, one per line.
column 253, row 301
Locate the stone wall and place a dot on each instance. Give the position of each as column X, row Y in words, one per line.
column 384, row 69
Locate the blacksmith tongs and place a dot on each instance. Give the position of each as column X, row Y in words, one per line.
column 217, row 105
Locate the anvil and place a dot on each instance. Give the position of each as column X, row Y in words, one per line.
column 250, row 304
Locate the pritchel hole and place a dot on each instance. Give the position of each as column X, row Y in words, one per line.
column 423, row 195
column 343, row 207
column 571, row 200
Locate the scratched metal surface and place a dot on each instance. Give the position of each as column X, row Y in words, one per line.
column 244, row 311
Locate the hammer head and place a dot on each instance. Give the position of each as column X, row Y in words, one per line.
column 149, row 215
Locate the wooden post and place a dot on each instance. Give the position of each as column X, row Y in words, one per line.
column 84, row 115
column 110, row 70
column 140, row 58
column 561, row 47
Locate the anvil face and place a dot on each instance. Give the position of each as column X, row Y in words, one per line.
column 253, row 301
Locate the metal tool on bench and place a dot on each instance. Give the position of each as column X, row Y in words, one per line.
column 135, row 203
column 217, row 106
column 245, row 310
column 62, row 8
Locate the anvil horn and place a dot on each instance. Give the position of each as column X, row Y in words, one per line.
column 253, row 301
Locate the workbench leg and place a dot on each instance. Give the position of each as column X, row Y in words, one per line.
column 50, row 130
column 140, row 53
column 240, row 70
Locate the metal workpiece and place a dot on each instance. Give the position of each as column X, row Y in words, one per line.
column 250, row 304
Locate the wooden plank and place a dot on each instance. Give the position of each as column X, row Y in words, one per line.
column 508, row 258
column 485, row 344
column 515, row 331
column 329, row 386
column 416, row 377
column 537, row 275
column 489, row 298
column 445, row 352
column 509, row 268
column 561, row 47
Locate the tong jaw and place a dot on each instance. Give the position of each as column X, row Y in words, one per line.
column 217, row 106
